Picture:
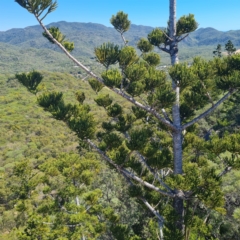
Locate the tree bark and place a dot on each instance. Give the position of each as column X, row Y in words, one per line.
column 177, row 135
column 177, row 152
column 173, row 32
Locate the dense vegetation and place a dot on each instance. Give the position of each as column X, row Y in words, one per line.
column 39, row 207
column 31, row 139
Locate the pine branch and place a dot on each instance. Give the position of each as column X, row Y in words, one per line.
column 154, row 174
column 210, row 110
column 130, row 175
column 146, row 108
column 156, row 213
column 160, row 218
column 66, row 52
column 152, row 209
column 151, row 170
column 119, row 92
column 170, row 39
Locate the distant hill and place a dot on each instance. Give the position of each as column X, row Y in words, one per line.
column 93, row 34
column 86, row 36
column 210, row 36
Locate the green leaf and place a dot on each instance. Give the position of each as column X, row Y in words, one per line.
column 157, row 37
column 144, row 45
column 127, row 56
column 153, row 59
column 186, row 24
column 50, row 99
column 103, row 100
column 136, row 72
column 138, row 138
column 30, row 80
column 95, row 84
column 120, row 22
column 38, row 7
column 55, row 32
column 83, row 124
column 114, row 110
column 182, row 75
column 107, row 54
column 112, row 78
column 154, row 79
column 80, row 96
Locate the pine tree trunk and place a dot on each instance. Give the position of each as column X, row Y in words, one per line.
column 173, row 31
column 177, row 152
column 177, row 135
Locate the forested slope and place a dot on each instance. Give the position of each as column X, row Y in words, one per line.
column 32, row 138
column 30, row 135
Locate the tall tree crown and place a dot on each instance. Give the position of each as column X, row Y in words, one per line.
column 120, row 22
column 38, row 7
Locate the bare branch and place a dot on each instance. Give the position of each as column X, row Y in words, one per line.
column 207, row 93
column 166, row 115
column 156, row 213
column 206, row 218
column 180, row 39
column 166, row 35
column 84, row 77
column 119, row 92
column 211, row 109
column 164, row 49
column 210, row 98
column 225, row 171
column 142, row 159
column 124, row 40
column 40, row 13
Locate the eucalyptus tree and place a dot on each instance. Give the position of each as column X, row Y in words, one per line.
column 156, row 146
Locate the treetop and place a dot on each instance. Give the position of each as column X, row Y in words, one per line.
column 37, row 7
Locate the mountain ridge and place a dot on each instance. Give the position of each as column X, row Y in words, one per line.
column 87, row 36
column 202, row 36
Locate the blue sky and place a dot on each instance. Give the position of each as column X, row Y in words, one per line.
column 220, row 14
